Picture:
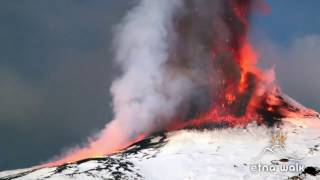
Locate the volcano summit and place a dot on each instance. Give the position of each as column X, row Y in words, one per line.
column 249, row 152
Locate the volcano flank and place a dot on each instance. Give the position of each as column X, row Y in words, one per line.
column 212, row 152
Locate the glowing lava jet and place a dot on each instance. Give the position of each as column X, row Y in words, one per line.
column 242, row 92
column 209, row 48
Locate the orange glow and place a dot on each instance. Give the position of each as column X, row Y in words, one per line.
column 76, row 156
column 109, row 142
column 248, row 57
column 230, row 98
column 270, row 109
column 248, row 60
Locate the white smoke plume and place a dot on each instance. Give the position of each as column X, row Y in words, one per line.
column 146, row 95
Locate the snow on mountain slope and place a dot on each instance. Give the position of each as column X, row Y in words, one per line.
column 202, row 155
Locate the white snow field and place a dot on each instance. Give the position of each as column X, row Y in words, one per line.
column 203, row 155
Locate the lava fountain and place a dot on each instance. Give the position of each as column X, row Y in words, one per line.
column 186, row 64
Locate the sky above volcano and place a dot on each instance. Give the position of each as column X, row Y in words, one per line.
column 56, row 68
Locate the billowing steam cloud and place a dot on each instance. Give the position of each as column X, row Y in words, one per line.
column 176, row 59
column 148, row 94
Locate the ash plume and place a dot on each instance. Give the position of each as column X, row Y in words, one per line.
column 178, row 59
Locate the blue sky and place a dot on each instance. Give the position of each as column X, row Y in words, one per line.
column 55, row 68
column 288, row 38
column 288, row 20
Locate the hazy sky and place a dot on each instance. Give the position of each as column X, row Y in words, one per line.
column 56, row 68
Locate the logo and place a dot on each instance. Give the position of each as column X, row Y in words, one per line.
column 284, row 161
column 278, row 147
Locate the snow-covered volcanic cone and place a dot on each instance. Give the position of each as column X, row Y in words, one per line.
column 191, row 89
column 218, row 153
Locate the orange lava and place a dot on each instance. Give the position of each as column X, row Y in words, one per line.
column 243, row 85
column 110, row 141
